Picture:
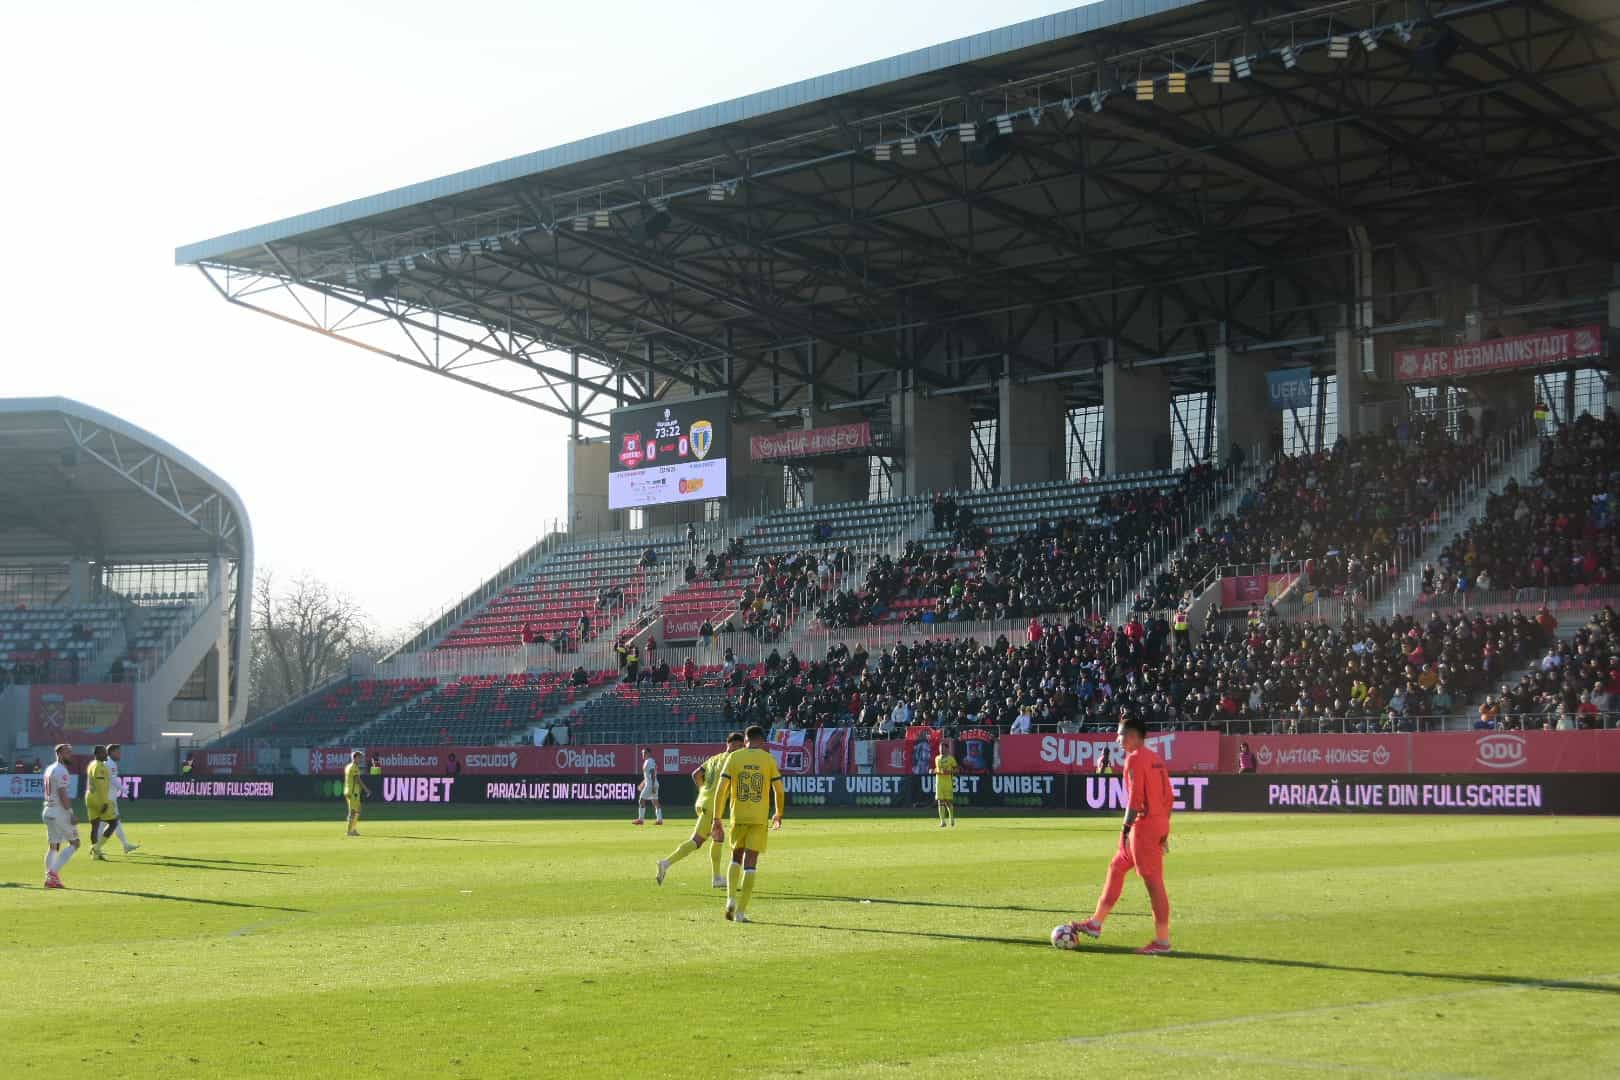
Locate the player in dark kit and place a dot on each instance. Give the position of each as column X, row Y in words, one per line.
column 1143, row 841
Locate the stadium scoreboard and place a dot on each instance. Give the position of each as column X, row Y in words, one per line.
column 671, row 452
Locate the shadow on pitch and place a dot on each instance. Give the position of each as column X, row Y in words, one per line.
column 1224, row 958
column 187, row 864
column 204, row 860
column 920, row 903
column 442, row 839
column 165, row 896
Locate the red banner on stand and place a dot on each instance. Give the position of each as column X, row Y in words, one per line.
column 1503, row 354
column 811, row 442
column 1321, row 753
column 1249, row 590
column 1516, row 751
column 1183, row 751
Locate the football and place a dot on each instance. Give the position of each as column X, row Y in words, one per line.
column 1063, row 936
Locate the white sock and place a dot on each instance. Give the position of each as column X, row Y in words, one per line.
column 659, row 810
column 67, row 853
column 118, row 831
column 50, row 861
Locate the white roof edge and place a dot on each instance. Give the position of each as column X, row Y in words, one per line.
column 70, row 407
column 1032, row 32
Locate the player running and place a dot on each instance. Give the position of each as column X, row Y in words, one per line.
column 61, row 825
column 706, row 776
column 352, row 787
column 745, row 778
column 115, row 788
column 945, row 769
column 97, row 790
column 648, row 792
column 1144, row 839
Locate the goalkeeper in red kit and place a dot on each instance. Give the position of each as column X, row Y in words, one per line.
column 1144, row 839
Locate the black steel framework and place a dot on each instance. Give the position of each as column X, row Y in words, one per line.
column 1025, row 217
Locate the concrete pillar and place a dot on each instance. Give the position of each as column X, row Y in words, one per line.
column 217, row 664
column 1243, row 413
column 1347, row 355
column 79, row 591
column 1031, row 432
column 934, row 434
column 1136, row 419
column 755, row 486
column 839, row 480
column 588, row 487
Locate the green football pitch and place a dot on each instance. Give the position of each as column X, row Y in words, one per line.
column 473, row 944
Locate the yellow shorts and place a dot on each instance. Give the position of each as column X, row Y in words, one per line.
column 749, row 837
column 354, row 803
column 96, row 810
column 705, row 823
column 944, row 796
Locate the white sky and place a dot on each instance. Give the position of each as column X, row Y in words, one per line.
column 135, row 128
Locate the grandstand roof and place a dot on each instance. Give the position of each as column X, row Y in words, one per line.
column 1037, row 200
column 79, row 482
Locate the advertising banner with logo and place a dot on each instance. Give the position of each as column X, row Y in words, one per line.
column 81, row 714
column 1248, row 590
column 1321, row 753
column 669, row 453
column 825, row 751
column 1517, row 751
column 1422, row 793
column 1289, row 389
column 684, row 627
column 1541, row 348
column 221, row 762
column 31, row 786
column 1183, row 751
column 811, row 442
column 615, row 760
column 1458, row 752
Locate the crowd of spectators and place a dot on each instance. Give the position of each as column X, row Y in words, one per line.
column 1258, row 676
column 1575, row 684
column 1062, row 564
column 1346, row 511
column 1560, row 530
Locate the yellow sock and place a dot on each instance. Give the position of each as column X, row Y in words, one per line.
column 747, row 890
column 682, row 852
column 717, row 855
column 941, row 811
column 733, row 881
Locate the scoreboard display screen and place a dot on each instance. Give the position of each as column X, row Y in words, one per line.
column 669, row 453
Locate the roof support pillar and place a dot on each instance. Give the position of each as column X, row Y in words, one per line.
column 1031, row 429
column 1136, row 419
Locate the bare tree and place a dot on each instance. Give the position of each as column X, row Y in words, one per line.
column 303, row 636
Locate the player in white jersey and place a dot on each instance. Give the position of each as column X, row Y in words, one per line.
column 61, row 824
column 116, row 788
column 648, row 792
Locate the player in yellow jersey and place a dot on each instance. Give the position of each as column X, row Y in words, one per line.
column 707, row 777
column 945, row 769
column 352, row 787
column 97, row 795
column 748, row 780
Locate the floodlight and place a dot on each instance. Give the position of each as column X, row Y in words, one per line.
column 1004, row 125
column 1220, row 72
column 1289, row 57
column 908, row 147
column 882, row 151
column 1339, row 46
column 1144, row 89
column 1369, row 40
column 967, row 133
column 1242, row 67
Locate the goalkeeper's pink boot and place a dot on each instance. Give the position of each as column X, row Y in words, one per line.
column 1091, row 928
